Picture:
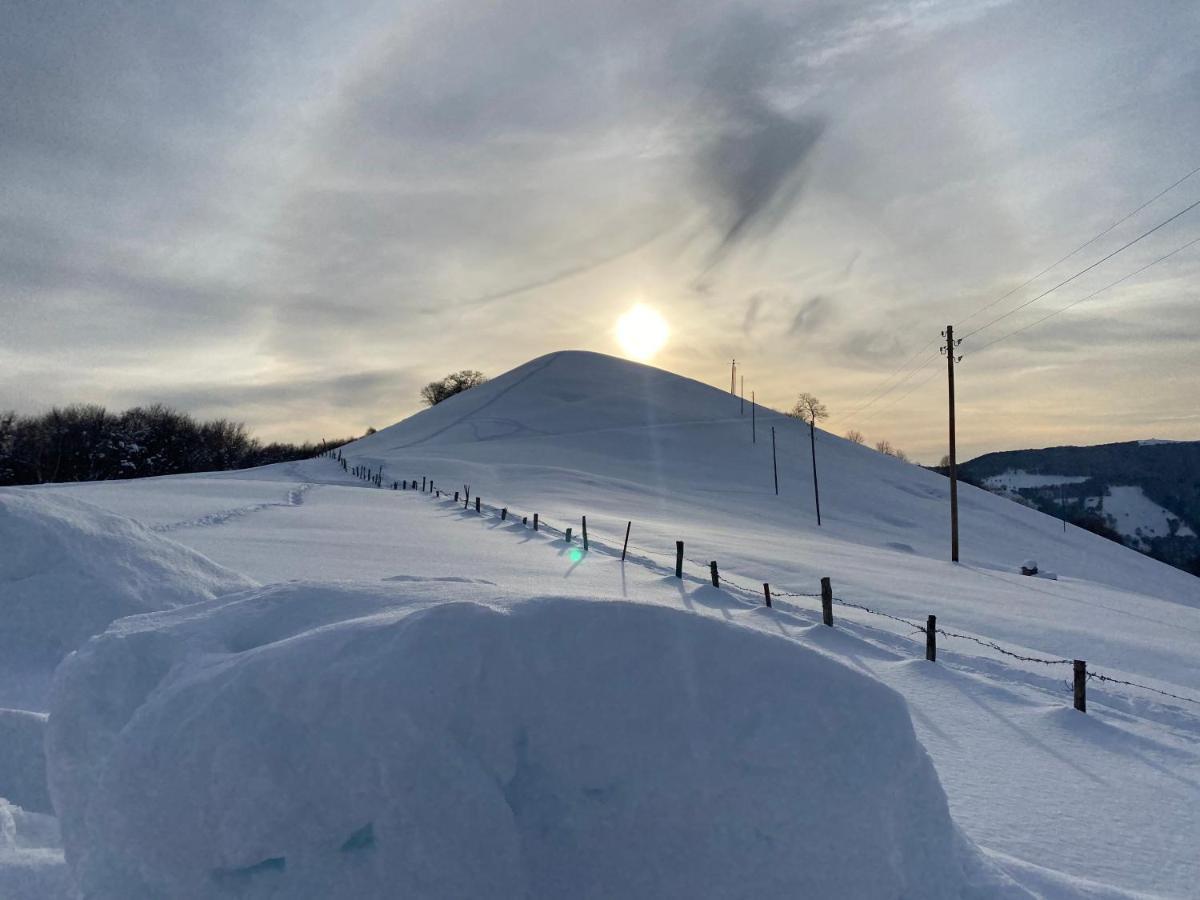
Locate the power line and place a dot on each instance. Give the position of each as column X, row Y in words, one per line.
column 872, row 398
column 910, row 374
column 1123, row 247
column 916, row 387
column 1073, row 303
column 1082, row 246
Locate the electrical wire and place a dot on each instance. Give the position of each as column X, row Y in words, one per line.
column 1082, row 246
column 1103, row 259
column 1074, row 303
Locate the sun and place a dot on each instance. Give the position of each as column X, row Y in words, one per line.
column 641, row 332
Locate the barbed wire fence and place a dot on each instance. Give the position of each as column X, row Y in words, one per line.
column 644, row 557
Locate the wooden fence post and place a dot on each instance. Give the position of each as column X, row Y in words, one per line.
column 585, row 543
column 476, row 503
column 712, row 570
column 826, row 601
column 1081, row 685
column 568, row 534
column 456, row 496
column 625, row 546
column 405, row 483
column 767, row 594
column 524, row 520
column 931, row 639
column 679, row 559
column 504, row 514
column 535, row 521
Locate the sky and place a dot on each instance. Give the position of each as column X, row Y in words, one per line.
column 295, row 214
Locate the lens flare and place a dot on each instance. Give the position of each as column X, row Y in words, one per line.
column 641, row 332
column 576, row 554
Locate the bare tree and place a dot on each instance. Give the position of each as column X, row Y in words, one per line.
column 855, row 437
column 454, row 383
column 885, row 447
column 810, row 410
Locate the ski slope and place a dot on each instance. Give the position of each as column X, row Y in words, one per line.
column 1063, row 804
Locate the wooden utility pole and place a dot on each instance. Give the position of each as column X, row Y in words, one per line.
column 774, row 463
column 753, row 421
column 742, row 407
column 951, row 359
column 733, row 377
column 812, row 437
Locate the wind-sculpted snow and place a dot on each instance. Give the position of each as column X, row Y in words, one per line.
column 444, row 739
column 68, row 569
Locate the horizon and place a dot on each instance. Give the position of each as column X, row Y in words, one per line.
column 296, row 218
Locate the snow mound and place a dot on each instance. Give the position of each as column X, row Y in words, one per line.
column 311, row 740
column 68, row 569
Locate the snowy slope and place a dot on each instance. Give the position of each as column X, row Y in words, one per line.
column 1070, row 805
column 573, row 426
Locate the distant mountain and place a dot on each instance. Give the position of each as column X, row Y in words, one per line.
column 1144, row 493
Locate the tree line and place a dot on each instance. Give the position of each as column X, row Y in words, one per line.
column 85, row 442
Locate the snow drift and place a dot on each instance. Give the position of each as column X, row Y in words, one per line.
column 68, row 569
column 335, row 741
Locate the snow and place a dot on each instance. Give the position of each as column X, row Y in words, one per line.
column 22, row 762
column 1068, row 805
column 31, row 862
column 1137, row 517
column 1015, row 479
column 1126, row 507
column 449, row 740
column 70, row 568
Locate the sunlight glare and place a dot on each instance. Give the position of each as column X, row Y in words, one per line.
column 641, row 332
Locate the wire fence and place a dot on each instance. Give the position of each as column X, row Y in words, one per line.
column 645, row 557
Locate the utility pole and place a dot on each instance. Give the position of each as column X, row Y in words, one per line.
column 733, row 378
column 774, row 462
column 951, row 359
column 742, row 408
column 753, row 421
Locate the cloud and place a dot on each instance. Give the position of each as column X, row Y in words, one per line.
column 239, row 206
column 812, row 314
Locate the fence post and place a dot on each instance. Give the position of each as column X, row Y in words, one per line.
column 712, row 569
column 405, row 483
column 679, row 559
column 625, row 546
column 826, row 601
column 585, row 543
column 767, row 594
column 524, row 520
column 1081, row 685
column 535, row 521
column 568, row 534
column 931, row 639
column 476, row 503
column 504, row 514
column 456, row 496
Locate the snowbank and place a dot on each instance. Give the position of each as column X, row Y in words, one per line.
column 68, row 569
column 333, row 741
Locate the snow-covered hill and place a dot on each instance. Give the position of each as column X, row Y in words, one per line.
column 272, row 705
